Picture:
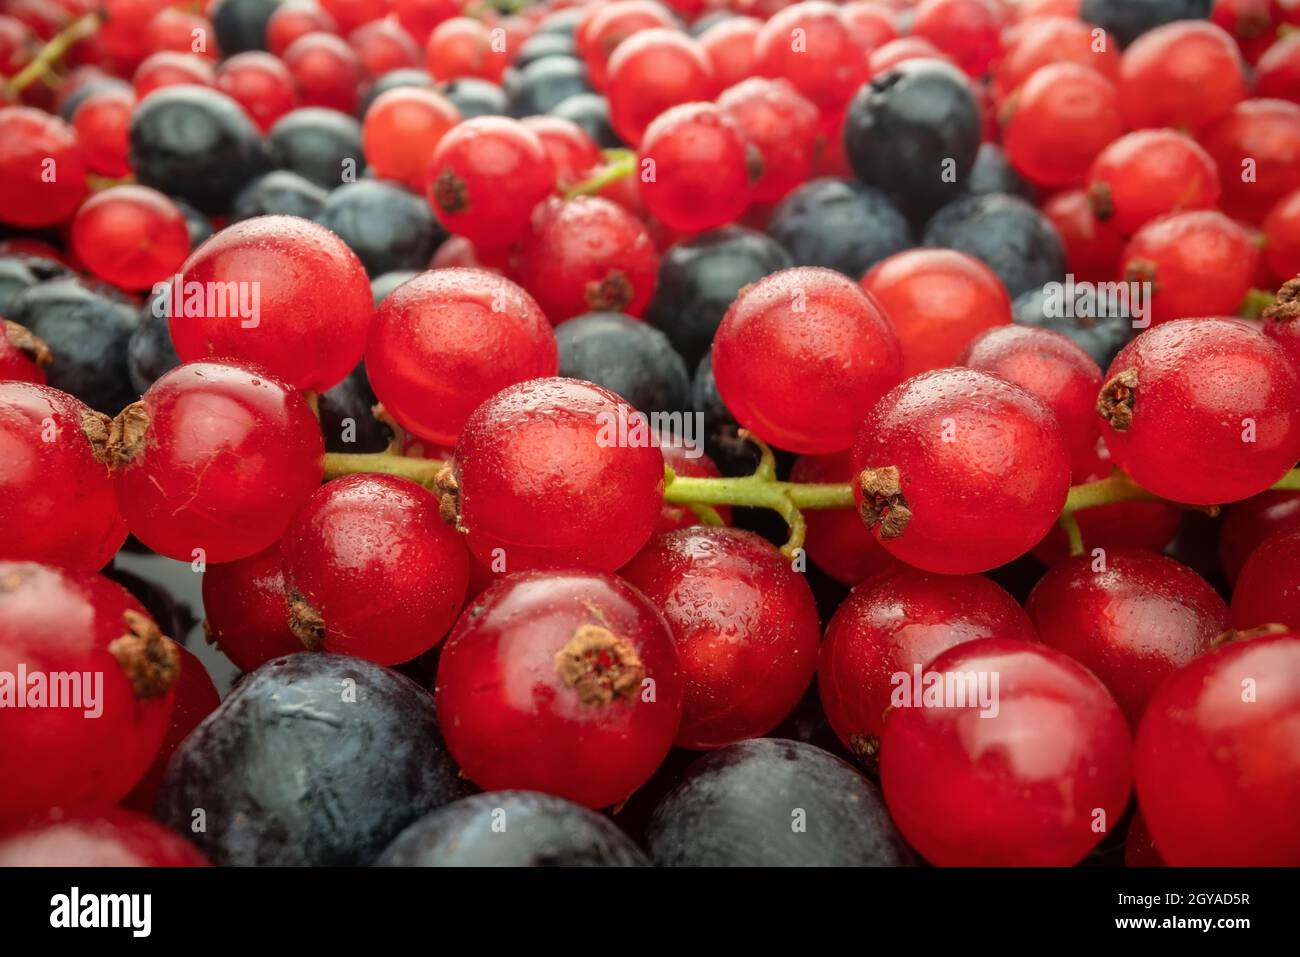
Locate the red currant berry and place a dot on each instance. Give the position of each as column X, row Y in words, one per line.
column 1218, row 774
column 1023, row 780
column 293, row 19
column 872, row 22
column 372, row 570
column 261, row 84
column 562, row 683
column 18, row 44
column 56, row 500
column 801, row 355
column 959, row 471
column 609, row 24
column 241, row 295
column 23, row 356
column 966, row 30
column 1041, row 42
column 1268, row 588
column 1185, row 74
column 463, row 46
column 729, row 45
column 683, row 463
column 557, row 473
column 900, row 51
column 1131, row 617
column 744, row 625
column 894, row 624
column 181, row 31
column 102, row 121
column 32, row 145
column 1260, row 137
column 1177, row 418
column 486, row 176
column 571, row 149
column 419, row 17
column 350, row 14
column 697, row 170
column 1247, row 524
column 247, row 609
column 1061, row 118
column 1282, row 237
column 587, row 255
column 326, row 71
column 383, row 46
column 1252, row 23
column 1147, row 174
column 1199, row 263
column 1278, row 75
column 215, row 457
column 446, row 341
column 1092, row 247
column 102, row 837
column 1051, row 366
column 837, row 541
column 115, row 672
column 781, row 126
column 402, row 129
column 812, row 45
column 937, row 300
column 458, row 251
column 168, row 68
column 131, row 236
column 651, row 72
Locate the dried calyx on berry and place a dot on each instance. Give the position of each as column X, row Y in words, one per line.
column 32, row 346
column 1287, row 306
column 149, row 658
column 883, row 502
column 600, row 666
column 1116, row 400
column 118, row 441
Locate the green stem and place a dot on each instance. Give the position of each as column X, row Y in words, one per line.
column 618, row 164
column 420, row 471
column 1073, row 534
column 53, row 51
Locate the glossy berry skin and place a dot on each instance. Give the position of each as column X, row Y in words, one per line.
column 383, row 46
column 1278, row 75
column 894, row 623
column 801, row 356
column 56, row 500
column 729, row 45
column 326, row 71
column 1249, row 523
column 102, row 837
column 167, row 68
column 1129, row 19
column 965, row 471
column 966, row 30
column 1144, row 175
column 1092, row 247
column 837, row 541
column 23, row 356
column 102, row 121
column 651, row 72
column 1200, row 263
column 839, row 224
column 29, row 139
column 446, row 341
column 587, row 254
column 1022, row 787
column 607, row 25
column 554, row 473
column 1177, row 420
column 744, row 624
column 1281, row 230
column 565, row 683
column 309, row 334
column 734, row 807
column 1181, row 75
column 1268, row 588
column 1050, row 366
column 371, row 570
column 486, row 176
column 629, row 358
column 701, row 165
column 261, row 84
column 313, row 760
column 1267, row 134
column 389, row 228
column 1130, row 617
column 56, row 620
column 247, row 610
column 316, row 143
column 827, row 68
column 1007, row 234
column 1217, row 776
column 189, row 479
column 572, row 150
column 543, row 831
column 778, row 122
column 542, row 85
column 131, row 236
column 1052, row 39
column 908, row 126
column 937, row 300
column 1063, row 116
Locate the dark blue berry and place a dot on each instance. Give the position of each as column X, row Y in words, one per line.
column 197, row 223
column 722, row 442
column 542, row 45
column 1004, row 232
column 78, row 96
column 544, row 84
column 591, row 112
column 839, row 224
column 1129, row 19
column 241, row 24
column 628, row 357
column 381, row 286
column 280, row 192
column 993, row 173
column 1101, row 337
column 473, row 97
column 387, row 227
column 347, row 418
column 321, row 145
column 150, row 352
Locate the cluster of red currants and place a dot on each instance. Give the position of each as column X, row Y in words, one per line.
column 581, row 591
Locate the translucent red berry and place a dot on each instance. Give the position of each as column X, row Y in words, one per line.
column 1183, row 74
column 23, row 356
column 565, row 683
column 651, row 72
column 99, row 837
column 812, row 45
column 1053, row 39
column 1282, row 237
column 463, row 46
column 293, row 19
column 401, row 130
column 966, row 30
column 571, row 149
column 609, row 24
column 1247, row 524
column 102, row 121
column 1147, row 174
column 1268, row 589
column 1260, row 138
column 383, row 46
column 1060, row 119
column 169, row 68
column 213, row 461
column 326, row 71
column 261, row 84
column 1092, row 247
column 837, row 541
column 697, row 170
column 781, row 125
column 247, row 610
column 729, row 45
column 131, row 236
column 801, row 356
column 42, row 170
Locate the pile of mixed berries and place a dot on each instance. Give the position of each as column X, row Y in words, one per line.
column 686, row 432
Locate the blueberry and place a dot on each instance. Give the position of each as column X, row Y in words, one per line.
column 914, row 132
column 701, row 277
column 1129, row 19
column 591, row 112
column 722, row 442
column 88, row 332
column 347, row 418
column 387, row 227
column 839, row 224
column 993, row 173
column 382, row 286
column 628, row 357
column 280, row 192
column 394, row 80
column 542, row 45
column 16, row 277
column 475, row 97
column 774, row 803
column 544, row 84
column 150, row 352
column 197, row 223
column 562, row 21
column 241, row 24
column 195, row 144
column 319, row 144
column 69, row 106
column 314, row 759
column 513, row 829
column 1101, row 338
column 1004, row 232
